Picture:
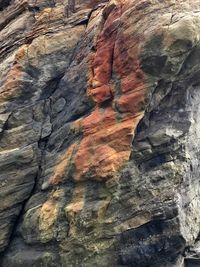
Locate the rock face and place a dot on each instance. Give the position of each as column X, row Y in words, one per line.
column 100, row 138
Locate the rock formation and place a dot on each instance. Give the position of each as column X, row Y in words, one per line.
column 100, row 138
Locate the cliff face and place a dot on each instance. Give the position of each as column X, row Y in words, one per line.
column 99, row 129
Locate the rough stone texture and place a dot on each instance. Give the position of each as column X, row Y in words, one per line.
column 99, row 149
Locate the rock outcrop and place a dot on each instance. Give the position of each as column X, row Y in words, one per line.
column 99, row 149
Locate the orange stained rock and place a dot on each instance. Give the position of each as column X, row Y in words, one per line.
column 132, row 82
column 99, row 165
column 21, row 53
column 77, row 125
column 118, row 88
column 97, row 120
column 119, row 135
column 103, row 93
column 102, row 66
column 102, row 154
column 109, row 130
column 63, row 166
column 48, row 215
column 132, row 102
column 125, row 55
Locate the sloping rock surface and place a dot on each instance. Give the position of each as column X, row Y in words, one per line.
column 99, row 133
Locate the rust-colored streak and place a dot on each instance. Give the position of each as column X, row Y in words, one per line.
column 117, row 87
column 102, row 63
column 103, row 153
column 63, row 166
column 103, row 93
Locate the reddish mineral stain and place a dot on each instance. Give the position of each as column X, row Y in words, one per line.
column 117, row 87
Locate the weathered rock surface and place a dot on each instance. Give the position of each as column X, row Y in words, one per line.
column 99, row 149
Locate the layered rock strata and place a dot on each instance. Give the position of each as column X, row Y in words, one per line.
column 99, row 149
